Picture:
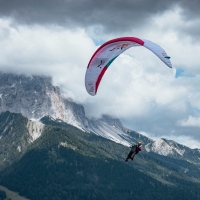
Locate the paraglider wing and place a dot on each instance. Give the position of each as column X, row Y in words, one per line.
column 108, row 52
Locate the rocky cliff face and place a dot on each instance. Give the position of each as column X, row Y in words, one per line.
column 35, row 97
column 16, row 133
column 35, row 130
column 30, row 96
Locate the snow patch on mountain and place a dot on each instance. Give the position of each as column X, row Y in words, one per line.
column 161, row 147
column 179, row 151
column 111, row 129
column 71, row 119
column 111, row 132
column 165, row 148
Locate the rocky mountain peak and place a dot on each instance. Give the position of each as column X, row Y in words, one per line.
column 35, row 97
column 162, row 147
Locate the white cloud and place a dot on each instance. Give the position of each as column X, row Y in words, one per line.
column 190, row 121
column 185, row 140
column 137, row 87
column 51, row 51
column 169, row 30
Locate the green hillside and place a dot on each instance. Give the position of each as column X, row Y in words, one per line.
column 13, row 133
column 66, row 163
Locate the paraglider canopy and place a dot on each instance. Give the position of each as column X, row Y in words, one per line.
column 109, row 51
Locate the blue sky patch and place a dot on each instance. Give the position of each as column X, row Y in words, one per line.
column 196, row 110
column 98, row 42
column 179, row 72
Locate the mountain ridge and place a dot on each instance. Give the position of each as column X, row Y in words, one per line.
column 35, row 97
column 68, row 163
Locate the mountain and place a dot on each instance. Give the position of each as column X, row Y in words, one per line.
column 36, row 97
column 68, row 163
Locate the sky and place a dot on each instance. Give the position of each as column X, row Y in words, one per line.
column 58, row 38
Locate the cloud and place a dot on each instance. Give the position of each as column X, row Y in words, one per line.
column 52, row 51
column 187, row 141
column 112, row 16
column 82, row 13
column 191, row 121
column 137, row 88
column 38, row 49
